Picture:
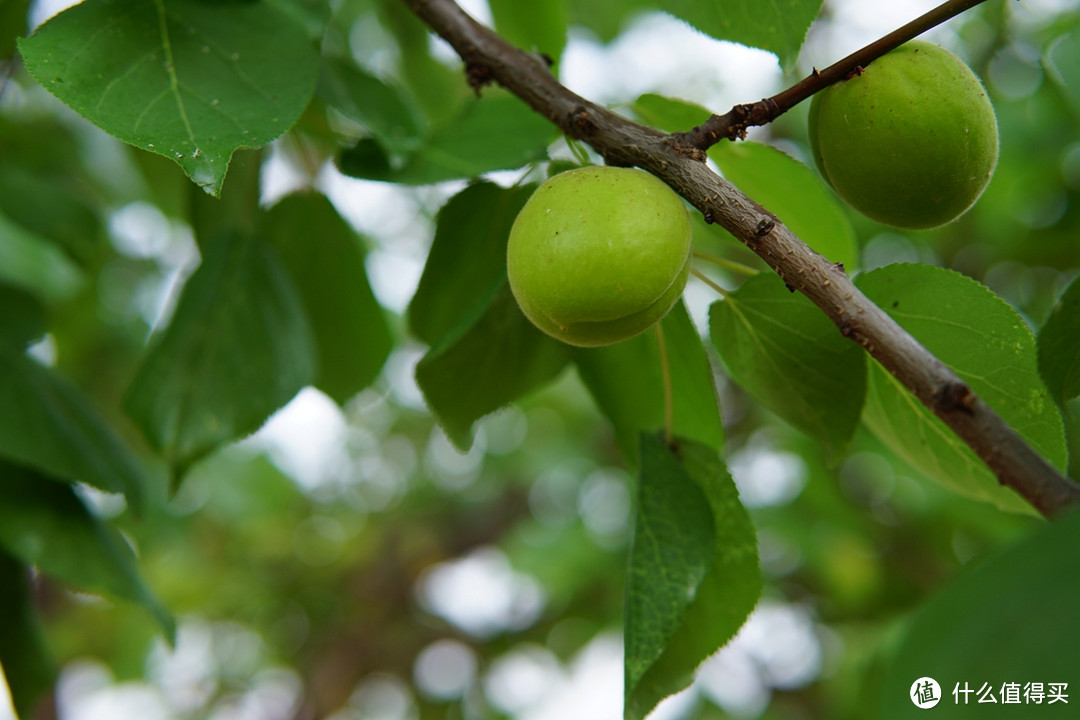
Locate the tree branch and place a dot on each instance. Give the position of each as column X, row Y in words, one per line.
column 620, row 141
column 734, row 123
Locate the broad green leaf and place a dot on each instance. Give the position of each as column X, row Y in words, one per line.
column 325, row 259
column 35, row 264
column 672, row 550
column 694, row 574
column 986, row 343
column 238, row 348
column 25, row 660
column 627, row 382
column 789, row 189
column 467, row 256
column 778, row 26
column 47, row 525
column 1059, row 346
column 669, row 114
column 606, row 18
column 792, row 192
column 384, row 110
column 51, row 207
column 1062, row 61
column 538, row 26
column 494, row 132
column 46, row 424
column 22, row 317
column 1008, row 619
column 193, row 81
column 488, row 360
column 311, row 15
column 792, row 359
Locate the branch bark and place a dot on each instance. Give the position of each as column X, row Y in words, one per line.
column 681, row 164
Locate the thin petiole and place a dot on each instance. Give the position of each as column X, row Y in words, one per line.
column 731, row 265
column 709, row 281
column 665, row 372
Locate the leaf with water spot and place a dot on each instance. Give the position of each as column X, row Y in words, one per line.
column 193, row 81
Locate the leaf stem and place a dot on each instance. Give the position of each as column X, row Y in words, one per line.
column 723, row 262
column 665, row 372
column 709, row 281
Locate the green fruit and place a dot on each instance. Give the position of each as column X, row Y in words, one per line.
column 599, row 254
column 911, row 141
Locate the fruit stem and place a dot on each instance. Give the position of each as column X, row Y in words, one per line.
column 737, row 267
column 665, row 372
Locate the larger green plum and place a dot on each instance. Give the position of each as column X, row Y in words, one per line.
column 599, row 254
column 911, row 141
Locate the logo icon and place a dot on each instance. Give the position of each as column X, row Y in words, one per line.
column 925, row 693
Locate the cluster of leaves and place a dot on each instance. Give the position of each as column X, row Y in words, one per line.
column 281, row 301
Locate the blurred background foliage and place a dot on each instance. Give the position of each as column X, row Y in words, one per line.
column 350, row 563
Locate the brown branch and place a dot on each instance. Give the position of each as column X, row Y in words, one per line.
column 734, row 123
column 623, row 142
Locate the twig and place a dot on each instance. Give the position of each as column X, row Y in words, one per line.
column 734, row 123
column 623, row 142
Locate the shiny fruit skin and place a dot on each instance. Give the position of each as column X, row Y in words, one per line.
column 599, row 254
column 911, row 141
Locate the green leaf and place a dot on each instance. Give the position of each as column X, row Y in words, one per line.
column 311, row 15
column 694, row 575
column 325, row 259
column 51, row 207
column 1008, row 619
column 627, row 382
column 238, row 348
column 490, row 358
column 1062, row 62
column 35, row 264
column 46, row 424
column 27, row 664
column 792, row 359
column 986, row 343
column 606, row 18
column 672, row 551
column 495, row 132
column 538, row 26
column 467, row 256
column 792, row 192
column 47, row 525
column 669, row 114
column 22, row 317
column 193, row 81
column 778, row 26
column 384, row 110
column 1059, row 346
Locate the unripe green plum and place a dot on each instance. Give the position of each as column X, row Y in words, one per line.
column 599, row 254
column 911, row 141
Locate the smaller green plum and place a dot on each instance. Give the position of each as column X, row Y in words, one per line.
column 599, row 254
column 910, row 141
